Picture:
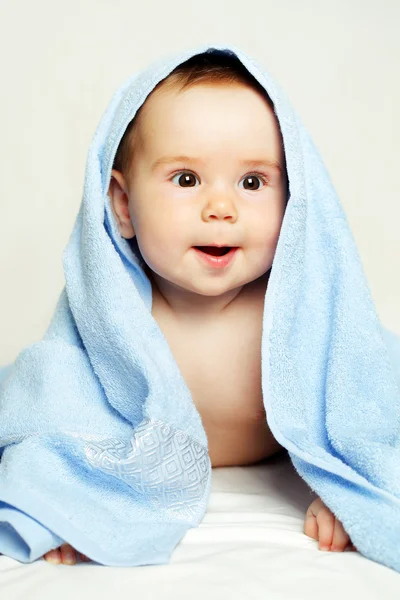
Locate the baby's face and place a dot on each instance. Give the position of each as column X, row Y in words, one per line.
column 216, row 195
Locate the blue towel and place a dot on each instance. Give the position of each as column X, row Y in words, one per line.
column 102, row 445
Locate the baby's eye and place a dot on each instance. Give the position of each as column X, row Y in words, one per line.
column 185, row 178
column 252, row 179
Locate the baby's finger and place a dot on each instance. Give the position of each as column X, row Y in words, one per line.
column 326, row 526
column 68, row 554
column 340, row 537
column 53, row 556
column 310, row 525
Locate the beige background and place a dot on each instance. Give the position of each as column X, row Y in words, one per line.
column 60, row 63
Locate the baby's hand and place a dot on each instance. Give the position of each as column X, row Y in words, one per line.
column 64, row 554
column 321, row 524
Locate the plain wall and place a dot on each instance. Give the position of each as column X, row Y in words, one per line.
column 61, row 62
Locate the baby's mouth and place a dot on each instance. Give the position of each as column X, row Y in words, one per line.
column 214, row 250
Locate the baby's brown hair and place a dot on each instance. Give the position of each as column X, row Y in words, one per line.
column 214, row 68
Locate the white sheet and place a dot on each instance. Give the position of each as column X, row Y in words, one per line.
column 250, row 543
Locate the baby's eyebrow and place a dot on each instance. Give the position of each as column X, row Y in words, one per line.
column 250, row 162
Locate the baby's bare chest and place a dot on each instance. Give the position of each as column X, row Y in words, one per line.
column 221, row 365
column 222, row 368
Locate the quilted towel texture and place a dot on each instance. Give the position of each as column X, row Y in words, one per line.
column 101, row 443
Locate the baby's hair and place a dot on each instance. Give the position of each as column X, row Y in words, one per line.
column 211, row 68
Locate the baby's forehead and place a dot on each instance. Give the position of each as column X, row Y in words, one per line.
column 205, row 102
column 157, row 121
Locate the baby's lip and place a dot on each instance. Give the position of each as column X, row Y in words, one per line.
column 216, row 246
column 215, row 249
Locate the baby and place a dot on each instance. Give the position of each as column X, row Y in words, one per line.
column 200, row 180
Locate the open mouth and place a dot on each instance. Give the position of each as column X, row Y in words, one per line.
column 214, row 251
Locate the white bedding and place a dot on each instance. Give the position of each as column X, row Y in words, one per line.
column 250, row 544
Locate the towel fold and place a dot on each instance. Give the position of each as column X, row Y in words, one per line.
column 102, row 446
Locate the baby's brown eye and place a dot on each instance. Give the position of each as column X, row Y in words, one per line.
column 253, row 181
column 185, row 179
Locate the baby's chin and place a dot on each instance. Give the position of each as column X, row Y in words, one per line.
column 205, row 283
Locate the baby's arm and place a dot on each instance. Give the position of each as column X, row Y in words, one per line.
column 65, row 554
column 321, row 524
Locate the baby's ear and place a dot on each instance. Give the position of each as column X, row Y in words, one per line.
column 119, row 200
